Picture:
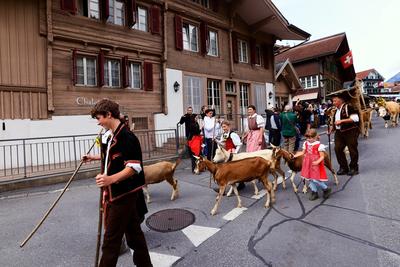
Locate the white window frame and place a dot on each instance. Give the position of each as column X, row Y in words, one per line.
column 131, row 76
column 212, row 44
column 193, row 92
column 244, row 97
column 142, row 17
column 114, row 12
column 243, row 51
column 85, row 71
column 233, row 87
column 109, row 71
column 214, row 95
column 187, row 39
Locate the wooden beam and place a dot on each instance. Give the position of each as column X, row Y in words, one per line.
column 255, row 27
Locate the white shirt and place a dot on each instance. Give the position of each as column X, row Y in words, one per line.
column 353, row 117
column 259, row 119
column 321, row 147
column 211, row 127
column 235, row 139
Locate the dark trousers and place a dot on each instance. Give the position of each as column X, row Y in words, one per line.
column 122, row 218
column 192, row 159
column 350, row 139
column 210, row 148
column 275, row 137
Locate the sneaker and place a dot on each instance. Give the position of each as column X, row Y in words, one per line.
column 313, row 196
column 326, row 193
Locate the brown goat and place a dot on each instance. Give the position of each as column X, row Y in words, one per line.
column 232, row 172
column 158, row 172
column 295, row 165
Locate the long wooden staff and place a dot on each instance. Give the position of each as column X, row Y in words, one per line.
column 212, row 148
column 56, row 201
column 101, row 211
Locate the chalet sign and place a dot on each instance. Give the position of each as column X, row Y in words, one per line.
column 85, row 101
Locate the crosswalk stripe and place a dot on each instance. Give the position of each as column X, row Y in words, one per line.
column 233, row 214
column 198, row 234
column 161, row 260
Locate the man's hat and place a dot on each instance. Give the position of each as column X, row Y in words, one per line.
column 344, row 94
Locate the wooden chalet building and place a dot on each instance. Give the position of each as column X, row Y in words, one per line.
column 372, row 81
column 154, row 57
column 318, row 66
column 220, row 54
column 287, row 84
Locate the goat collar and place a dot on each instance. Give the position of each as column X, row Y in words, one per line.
column 230, row 157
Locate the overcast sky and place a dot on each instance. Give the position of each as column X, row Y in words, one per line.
column 372, row 28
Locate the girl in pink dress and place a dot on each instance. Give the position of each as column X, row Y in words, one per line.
column 313, row 168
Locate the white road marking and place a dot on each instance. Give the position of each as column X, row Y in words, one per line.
column 198, row 234
column 233, row 214
column 161, row 260
column 261, row 193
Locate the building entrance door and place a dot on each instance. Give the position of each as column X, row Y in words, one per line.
column 231, row 111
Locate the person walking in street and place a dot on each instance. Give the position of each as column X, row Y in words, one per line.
column 347, row 131
column 289, row 130
column 313, row 168
column 122, row 182
column 211, row 129
column 192, row 129
column 276, row 128
column 229, row 139
column 254, row 134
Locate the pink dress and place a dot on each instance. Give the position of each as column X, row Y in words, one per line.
column 309, row 171
column 254, row 135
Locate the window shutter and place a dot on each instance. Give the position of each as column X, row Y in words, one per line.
column 267, row 56
column 101, row 69
column 104, row 10
column 252, row 51
column 235, row 48
column 148, row 76
column 69, row 5
column 178, row 33
column 155, row 19
column 214, row 5
column 131, row 13
column 74, row 69
column 124, row 68
column 204, row 38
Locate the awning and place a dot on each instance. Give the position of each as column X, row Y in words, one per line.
column 307, row 96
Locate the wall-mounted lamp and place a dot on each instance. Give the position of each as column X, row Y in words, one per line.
column 270, row 94
column 176, row 86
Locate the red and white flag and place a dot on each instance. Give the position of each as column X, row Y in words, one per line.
column 347, row 60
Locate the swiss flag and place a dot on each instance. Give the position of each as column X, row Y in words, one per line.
column 347, row 60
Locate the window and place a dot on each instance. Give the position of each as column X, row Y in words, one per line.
column 117, row 13
column 112, row 73
column 309, row 81
column 213, row 45
column 89, row 8
column 213, row 95
column 86, row 71
column 230, row 87
column 141, row 20
column 242, row 46
column 190, row 41
column 314, row 82
column 193, row 92
column 205, row 3
column 244, row 98
column 134, row 75
column 258, row 55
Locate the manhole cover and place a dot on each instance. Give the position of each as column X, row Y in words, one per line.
column 170, row 220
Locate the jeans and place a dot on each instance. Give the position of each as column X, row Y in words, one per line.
column 314, row 184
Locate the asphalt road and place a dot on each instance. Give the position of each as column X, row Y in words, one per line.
column 357, row 226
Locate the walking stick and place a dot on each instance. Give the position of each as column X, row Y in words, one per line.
column 212, row 149
column 58, row 198
column 101, row 212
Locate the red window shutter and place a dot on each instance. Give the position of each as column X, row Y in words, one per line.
column 125, row 73
column 178, row 33
column 131, row 13
column 214, row 4
column 252, row 51
column 204, row 40
column 235, row 48
column 74, row 69
column 69, row 5
column 268, row 56
column 155, row 19
column 148, row 76
column 101, row 69
column 104, row 10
